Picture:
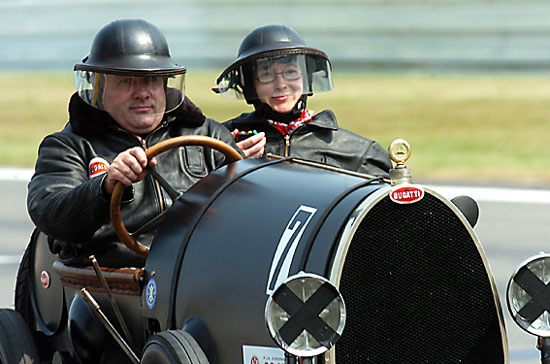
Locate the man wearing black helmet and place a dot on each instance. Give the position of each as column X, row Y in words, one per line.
column 276, row 72
column 129, row 97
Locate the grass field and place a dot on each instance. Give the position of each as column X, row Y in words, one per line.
column 468, row 127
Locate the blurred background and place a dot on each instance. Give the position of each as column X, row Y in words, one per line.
column 403, row 36
column 466, row 82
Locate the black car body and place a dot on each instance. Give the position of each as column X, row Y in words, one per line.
column 412, row 273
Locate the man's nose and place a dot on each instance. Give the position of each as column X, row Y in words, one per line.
column 142, row 88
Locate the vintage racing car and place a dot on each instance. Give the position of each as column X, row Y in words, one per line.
column 397, row 261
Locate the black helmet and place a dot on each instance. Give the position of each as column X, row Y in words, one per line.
column 269, row 43
column 131, row 47
column 269, row 38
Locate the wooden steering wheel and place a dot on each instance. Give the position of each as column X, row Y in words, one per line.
column 231, row 154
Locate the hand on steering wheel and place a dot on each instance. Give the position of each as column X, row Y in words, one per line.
column 231, row 154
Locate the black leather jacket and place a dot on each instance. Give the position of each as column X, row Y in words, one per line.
column 322, row 141
column 68, row 205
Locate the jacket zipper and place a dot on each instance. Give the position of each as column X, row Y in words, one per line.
column 287, row 140
column 287, row 145
column 156, row 183
column 162, row 205
column 143, row 143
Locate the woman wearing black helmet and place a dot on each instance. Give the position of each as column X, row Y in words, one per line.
column 276, row 72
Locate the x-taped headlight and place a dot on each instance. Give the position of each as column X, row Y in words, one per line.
column 528, row 295
column 305, row 315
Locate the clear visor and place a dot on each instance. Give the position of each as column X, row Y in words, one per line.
column 149, row 94
column 278, row 76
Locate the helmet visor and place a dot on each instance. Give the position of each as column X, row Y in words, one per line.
column 277, row 76
column 108, row 92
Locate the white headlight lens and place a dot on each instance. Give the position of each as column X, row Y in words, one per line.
column 528, row 295
column 305, row 315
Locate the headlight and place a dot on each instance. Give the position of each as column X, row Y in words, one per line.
column 305, row 315
column 528, row 295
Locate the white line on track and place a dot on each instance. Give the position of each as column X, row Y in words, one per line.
column 16, row 174
column 496, row 194
column 493, row 194
column 10, row 259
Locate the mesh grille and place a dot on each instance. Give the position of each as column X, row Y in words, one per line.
column 416, row 290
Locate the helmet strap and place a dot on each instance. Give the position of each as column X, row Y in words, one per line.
column 265, row 111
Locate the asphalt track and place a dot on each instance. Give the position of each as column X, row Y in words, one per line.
column 513, row 225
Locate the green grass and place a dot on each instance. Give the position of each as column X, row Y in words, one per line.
column 472, row 127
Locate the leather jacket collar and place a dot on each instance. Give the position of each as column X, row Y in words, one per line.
column 88, row 121
column 325, row 120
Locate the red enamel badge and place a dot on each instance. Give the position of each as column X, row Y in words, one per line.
column 45, row 279
column 405, row 194
column 97, row 167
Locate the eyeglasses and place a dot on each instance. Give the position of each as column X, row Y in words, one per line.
column 290, row 74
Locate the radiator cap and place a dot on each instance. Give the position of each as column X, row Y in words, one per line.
column 399, row 152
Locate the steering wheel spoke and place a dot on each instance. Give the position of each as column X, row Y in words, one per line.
column 172, row 192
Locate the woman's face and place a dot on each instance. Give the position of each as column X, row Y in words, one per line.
column 279, row 84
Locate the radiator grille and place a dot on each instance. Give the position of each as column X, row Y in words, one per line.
column 416, row 290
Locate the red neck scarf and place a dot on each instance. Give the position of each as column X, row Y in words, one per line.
column 289, row 128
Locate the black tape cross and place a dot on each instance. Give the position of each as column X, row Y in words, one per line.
column 305, row 315
column 539, row 292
